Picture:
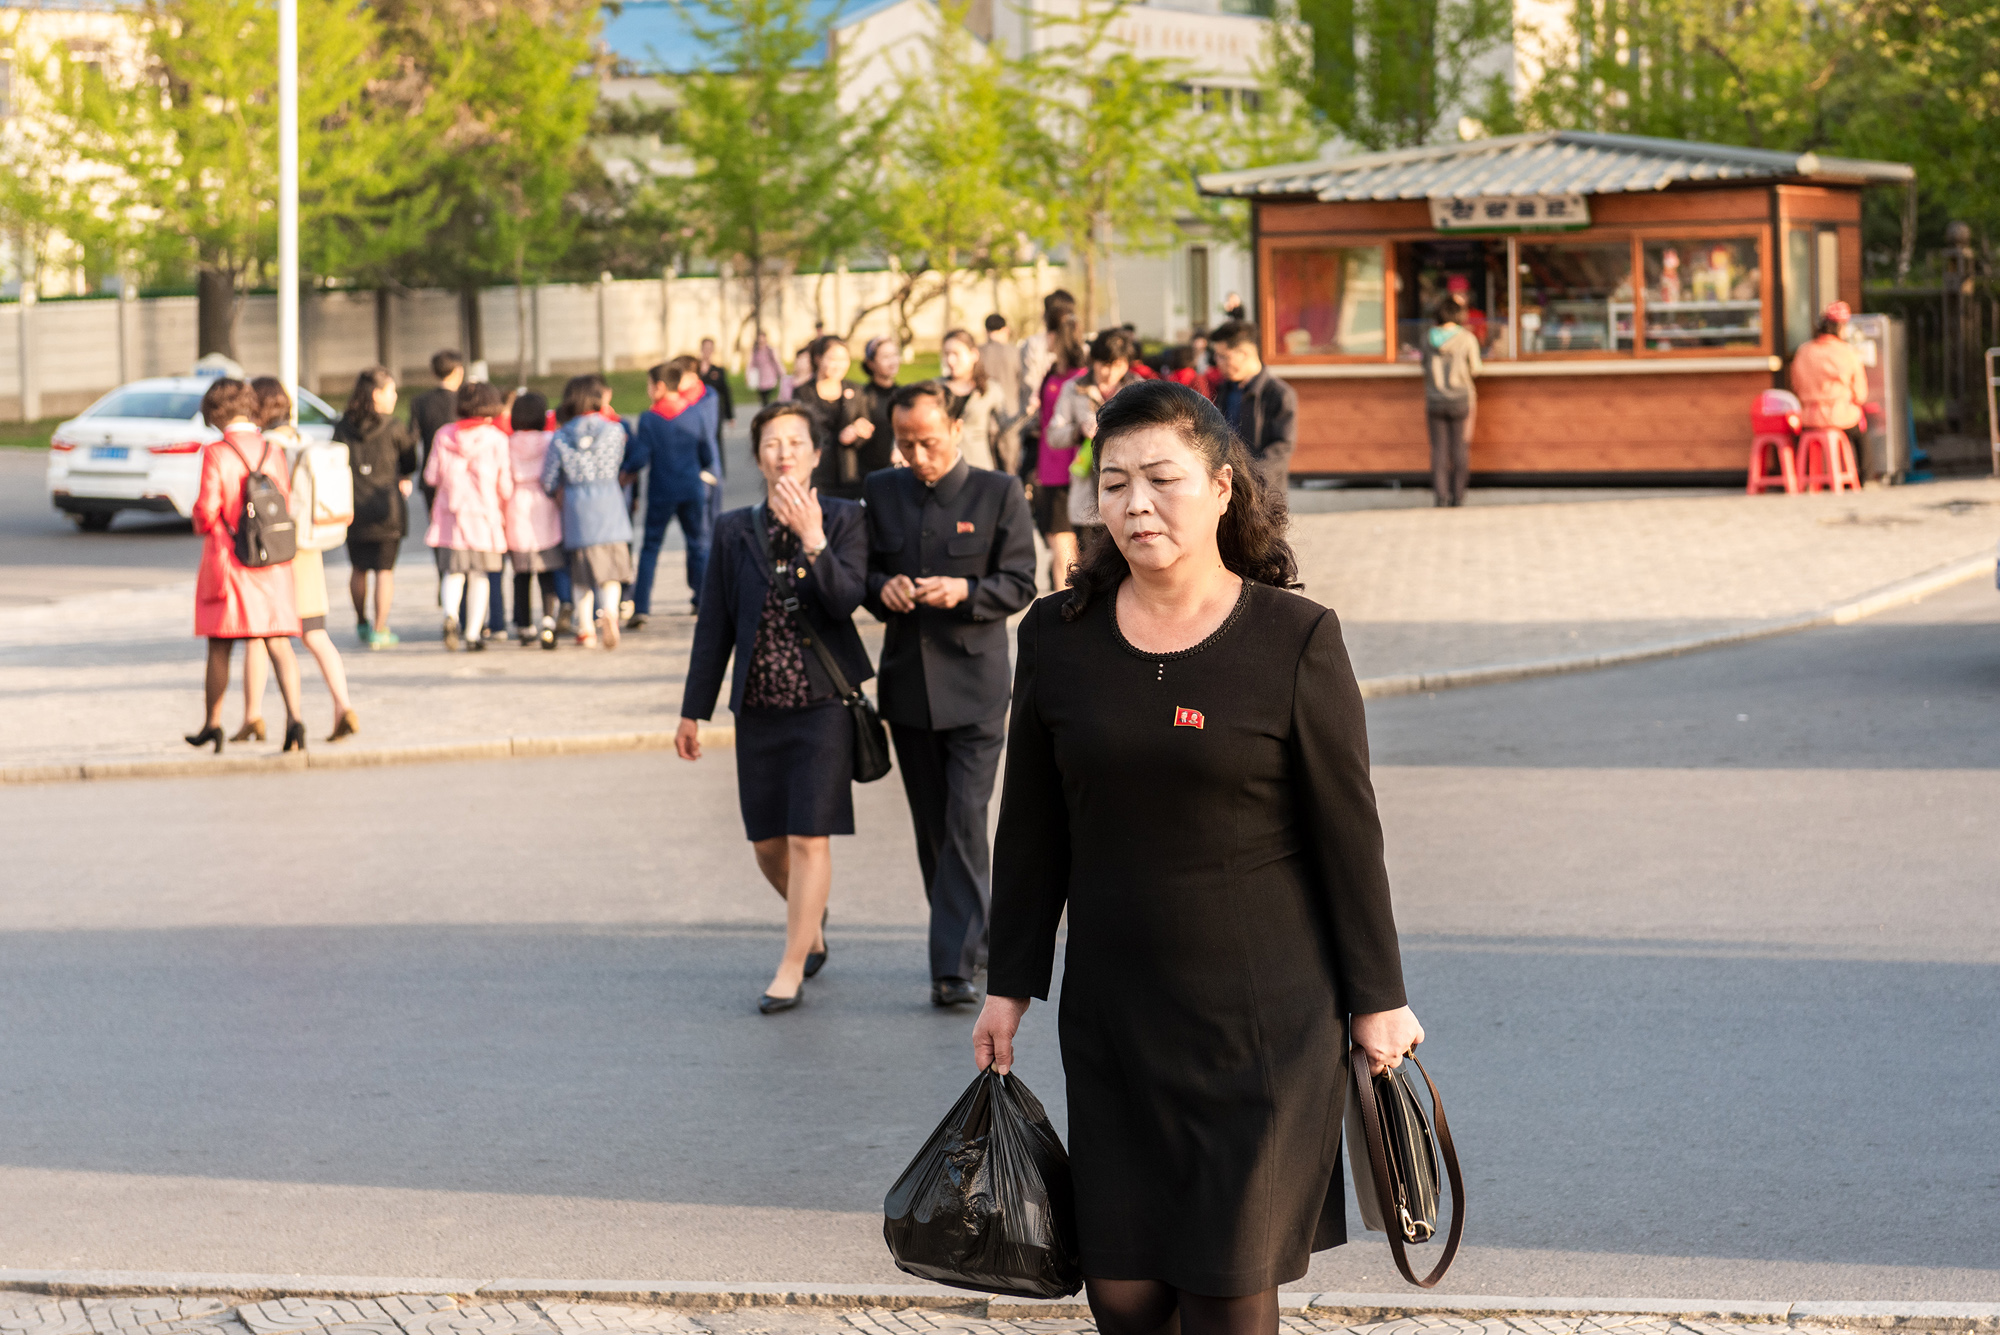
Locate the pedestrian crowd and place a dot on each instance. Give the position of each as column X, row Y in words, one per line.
column 1186, row 753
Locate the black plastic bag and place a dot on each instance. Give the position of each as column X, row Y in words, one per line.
column 987, row 1203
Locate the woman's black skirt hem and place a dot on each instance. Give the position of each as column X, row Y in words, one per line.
column 795, row 771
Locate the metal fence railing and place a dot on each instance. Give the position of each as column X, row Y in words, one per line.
column 1948, row 334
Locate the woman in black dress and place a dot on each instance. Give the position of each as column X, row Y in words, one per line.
column 794, row 738
column 1187, row 773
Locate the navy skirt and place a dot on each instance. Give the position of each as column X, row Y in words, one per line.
column 795, row 770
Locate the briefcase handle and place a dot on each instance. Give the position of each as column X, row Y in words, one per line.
column 1378, row 1162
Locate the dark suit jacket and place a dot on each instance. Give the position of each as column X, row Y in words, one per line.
column 732, row 603
column 1267, row 419
column 947, row 667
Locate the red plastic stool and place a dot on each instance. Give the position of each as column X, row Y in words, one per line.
column 1826, row 461
column 1783, row 475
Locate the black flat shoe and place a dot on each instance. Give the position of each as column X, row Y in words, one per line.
column 204, row 737
column 770, row 1005
column 953, row 992
column 816, row 959
column 295, row 736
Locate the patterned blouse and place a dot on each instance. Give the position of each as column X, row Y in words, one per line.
column 778, row 660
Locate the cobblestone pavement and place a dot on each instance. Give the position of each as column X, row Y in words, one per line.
column 115, row 676
column 438, row 1314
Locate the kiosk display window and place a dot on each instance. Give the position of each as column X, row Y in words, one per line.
column 1329, row 301
column 1703, row 294
column 1576, row 298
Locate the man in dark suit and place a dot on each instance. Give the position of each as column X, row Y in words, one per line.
column 951, row 555
column 1263, row 409
column 434, row 408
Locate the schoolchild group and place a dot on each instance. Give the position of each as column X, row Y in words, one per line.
column 511, row 482
column 507, row 481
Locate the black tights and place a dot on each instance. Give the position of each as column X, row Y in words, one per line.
column 1148, row 1307
column 524, row 581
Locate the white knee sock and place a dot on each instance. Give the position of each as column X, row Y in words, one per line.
column 607, row 598
column 476, row 595
column 450, row 595
column 582, row 614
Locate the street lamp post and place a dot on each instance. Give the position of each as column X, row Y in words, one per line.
column 288, row 200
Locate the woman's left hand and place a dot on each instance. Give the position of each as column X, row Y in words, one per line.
column 797, row 508
column 1385, row 1036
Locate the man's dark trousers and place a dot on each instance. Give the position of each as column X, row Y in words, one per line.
column 948, row 777
column 945, row 681
column 696, row 518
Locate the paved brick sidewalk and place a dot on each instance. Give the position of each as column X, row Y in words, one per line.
column 115, row 677
column 434, row 1314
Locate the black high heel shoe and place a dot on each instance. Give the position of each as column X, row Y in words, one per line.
column 816, row 959
column 295, row 736
column 204, row 737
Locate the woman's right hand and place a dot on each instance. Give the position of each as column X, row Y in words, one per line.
column 993, row 1032
column 687, row 740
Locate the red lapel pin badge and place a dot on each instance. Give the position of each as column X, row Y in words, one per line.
column 1187, row 718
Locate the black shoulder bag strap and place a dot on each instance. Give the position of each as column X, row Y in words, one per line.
column 1378, row 1162
column 847, row 693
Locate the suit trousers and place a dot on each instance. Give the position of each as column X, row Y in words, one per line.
column 697, row 526
column 1451, row 455
column 948, row 778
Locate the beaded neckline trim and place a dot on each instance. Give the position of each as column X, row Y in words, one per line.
column 1242, row 600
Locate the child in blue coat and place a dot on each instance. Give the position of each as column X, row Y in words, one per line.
column 674, row 442
column 582, row 468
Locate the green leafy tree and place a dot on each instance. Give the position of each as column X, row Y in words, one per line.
column 498, row 101
column 1107, row 150
column 1918, row 81
column 782, row 176
column 1392, row 73
column 1730, row 71
column 189, row 144
column 953, row 199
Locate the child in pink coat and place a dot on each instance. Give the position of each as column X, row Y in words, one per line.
column 474, row 477
column 534, row 522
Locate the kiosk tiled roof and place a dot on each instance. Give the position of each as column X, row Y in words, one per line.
column 1553, row 162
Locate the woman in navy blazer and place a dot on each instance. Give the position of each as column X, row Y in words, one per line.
column 794, row 737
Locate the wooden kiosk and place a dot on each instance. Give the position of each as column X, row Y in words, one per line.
column 1631, row 295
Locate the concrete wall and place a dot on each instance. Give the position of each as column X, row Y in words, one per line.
column 77, row 350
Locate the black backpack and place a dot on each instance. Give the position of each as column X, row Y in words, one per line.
column 265, row 534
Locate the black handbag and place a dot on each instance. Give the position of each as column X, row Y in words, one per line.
column 871, row 739
column 1403, row 1159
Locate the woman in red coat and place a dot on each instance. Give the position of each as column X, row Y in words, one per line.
column 233, row 601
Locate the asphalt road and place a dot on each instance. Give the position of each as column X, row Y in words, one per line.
column 1707, row 948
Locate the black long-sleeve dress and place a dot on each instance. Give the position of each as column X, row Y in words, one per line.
column 1208, row 820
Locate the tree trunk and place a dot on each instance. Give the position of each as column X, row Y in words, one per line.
column 385, row 330
column 468, row 318
column 215, row 317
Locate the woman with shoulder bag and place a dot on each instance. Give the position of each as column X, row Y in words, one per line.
column 382, row 456
column 234, row 601
column 795, row 744
column 1187, row 776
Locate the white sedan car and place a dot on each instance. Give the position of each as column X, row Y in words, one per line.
column 139, row 448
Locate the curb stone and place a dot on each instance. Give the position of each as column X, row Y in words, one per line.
column 724, row 735
column 1354, row 1308
column 1839, row 614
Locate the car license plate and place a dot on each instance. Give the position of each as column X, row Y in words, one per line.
column 111, row 452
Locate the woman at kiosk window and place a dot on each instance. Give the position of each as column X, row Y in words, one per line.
column 1187, row 775
column 794, row 737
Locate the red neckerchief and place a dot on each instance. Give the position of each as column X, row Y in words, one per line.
column 669, row 406
column 549, row 422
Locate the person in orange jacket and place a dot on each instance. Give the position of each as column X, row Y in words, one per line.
column 1827, row 377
